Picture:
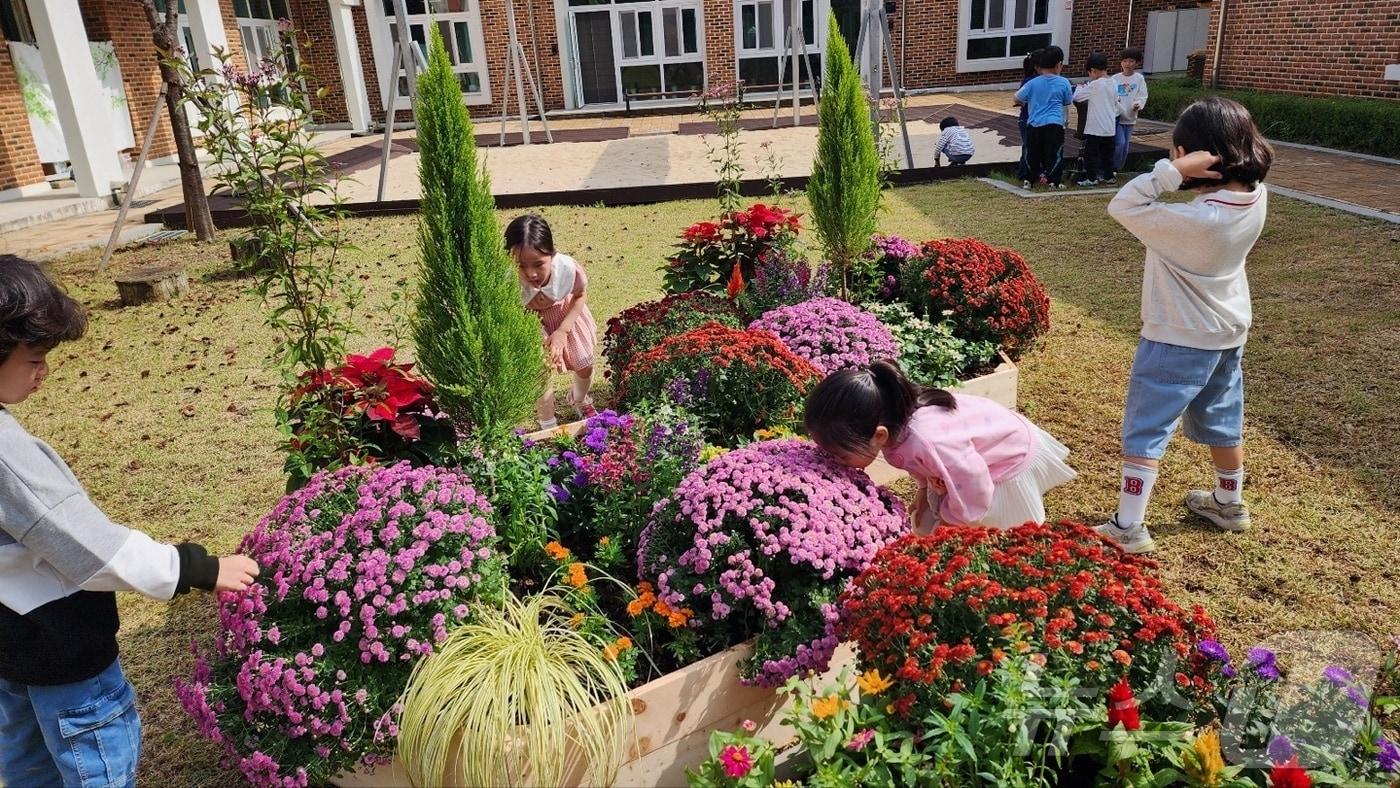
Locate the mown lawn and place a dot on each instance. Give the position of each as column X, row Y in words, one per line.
column 165, row 411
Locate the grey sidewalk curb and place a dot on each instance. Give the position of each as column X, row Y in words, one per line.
column 1027, row 195
column 1163, row 126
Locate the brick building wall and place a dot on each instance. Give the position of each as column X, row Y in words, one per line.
column 316, row 43
column 19, row 162
column 1309, row 47
column 720, row 67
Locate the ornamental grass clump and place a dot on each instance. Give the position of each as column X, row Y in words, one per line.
column 988, row 293
column 642, row 327
column 759, row 543
column 363, row 572
column 940, row 611
column 830, row 333
column 516, row 697
column 736, row 382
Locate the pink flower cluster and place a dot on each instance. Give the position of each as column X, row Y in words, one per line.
column 830, row 333
column 771, row 531
column 363, row 570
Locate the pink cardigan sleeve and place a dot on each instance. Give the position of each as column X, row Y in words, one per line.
column 963, row 472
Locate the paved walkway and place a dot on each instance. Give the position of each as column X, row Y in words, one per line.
column 657, row 149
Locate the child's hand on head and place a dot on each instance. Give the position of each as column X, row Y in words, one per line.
column 1196, row 164
column 236, row 573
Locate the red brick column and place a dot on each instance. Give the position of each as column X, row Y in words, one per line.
column 316, row 39
column 19, row 161
column 719, row 42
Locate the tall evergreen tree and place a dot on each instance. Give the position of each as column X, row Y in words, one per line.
column 476, row 342
column 845, row 185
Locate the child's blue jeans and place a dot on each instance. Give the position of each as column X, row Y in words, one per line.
column 1120, row 145
column 85, row 734
column 1170, row 382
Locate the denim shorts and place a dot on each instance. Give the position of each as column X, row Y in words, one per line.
column 86, row 733
column 1170, row 382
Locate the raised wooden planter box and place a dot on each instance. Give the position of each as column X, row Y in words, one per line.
column 674, row 716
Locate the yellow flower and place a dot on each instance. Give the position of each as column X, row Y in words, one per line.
column 576, row 620
column 577, row 577
column 785, row 784
column 557, row 551
column 1208, row 765
column 604, row 542
column 826, row 707
column 711, row 452
column 872, row 683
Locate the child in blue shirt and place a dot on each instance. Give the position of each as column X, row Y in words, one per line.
column 1045, row 98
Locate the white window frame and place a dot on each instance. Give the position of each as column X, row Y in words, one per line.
column 1061, row 13
column 821, row 12
column 382, row 45
column 657, row 58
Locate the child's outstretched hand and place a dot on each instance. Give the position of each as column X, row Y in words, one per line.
column 1196, row 164
column 555, row 346
column 236, row 573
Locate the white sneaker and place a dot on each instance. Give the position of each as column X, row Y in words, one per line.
column 1026, row 185
column 1087, row 182
column 1133, row 540
column 1233, row 517
column 549, row 424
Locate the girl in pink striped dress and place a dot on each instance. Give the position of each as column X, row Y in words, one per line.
column 552, row 285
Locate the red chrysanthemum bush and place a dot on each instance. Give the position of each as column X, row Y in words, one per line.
column 989, row 293
column 643, row 326
column 735, row 381
column 938, row 612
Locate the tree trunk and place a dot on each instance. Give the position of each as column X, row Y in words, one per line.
column 197, row 217
column 166, row 36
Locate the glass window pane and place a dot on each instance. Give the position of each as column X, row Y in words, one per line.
column 629, row 34
column 750, row 24
column 447, row 6
column 470, row 82
column 1021, row 45
column 983, row 48
column 262, row 9
column 765, row 25
column 671, row 31
column 690, row 34
column 445, row 30
column 1042, row 11
column 416, row 7
column 641, row 79
column 1023, row 14
column 464, row 43
column 645, row 36
column 419, row 34
column 996, row 14
column 809, row 22
column 240, row 8
column 979, row 15
column 758, row 72
column 685, row 77
column 279, row 9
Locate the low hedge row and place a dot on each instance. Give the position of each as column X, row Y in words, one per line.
column 1354, row 124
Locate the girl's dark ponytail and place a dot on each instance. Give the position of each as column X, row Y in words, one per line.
column 844, row 410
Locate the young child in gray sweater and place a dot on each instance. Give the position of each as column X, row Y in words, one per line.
column 1195, row 311
column 67, row 713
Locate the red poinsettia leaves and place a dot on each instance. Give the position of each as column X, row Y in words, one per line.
column 1123, row 707
column 406, row 426
column 1290, row 774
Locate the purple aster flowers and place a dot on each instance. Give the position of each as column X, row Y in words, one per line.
column 771, row 531
column 830, row 333
column 1281, row 749
column 1213, row 650
column 1264, row 663
column 1389, row 755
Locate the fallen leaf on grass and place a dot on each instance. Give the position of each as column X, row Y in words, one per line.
column 187, row 411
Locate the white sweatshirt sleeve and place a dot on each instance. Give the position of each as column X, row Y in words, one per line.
column 1138, row 207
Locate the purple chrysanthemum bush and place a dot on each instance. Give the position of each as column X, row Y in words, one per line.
column 763, row 539
column 363, row 572
column 830, row 333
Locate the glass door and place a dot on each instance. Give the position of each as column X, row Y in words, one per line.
column 650, row 49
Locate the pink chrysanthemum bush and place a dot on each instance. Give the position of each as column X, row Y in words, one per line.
column 759, row 544
column 830, row 333
column 363, row 571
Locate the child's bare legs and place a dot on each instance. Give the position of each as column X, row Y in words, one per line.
column 544, row 409
column 578, row 395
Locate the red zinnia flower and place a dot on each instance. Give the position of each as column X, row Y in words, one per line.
column 1290, row 774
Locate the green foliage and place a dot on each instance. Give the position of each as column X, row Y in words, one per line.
column 515, row 698
column 476, row 342
column 930, row 353
column 736, row 761
column 1355, row 124
column 845, row 185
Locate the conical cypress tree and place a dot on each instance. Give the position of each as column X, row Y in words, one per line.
column 476, row 342
column 845, row 185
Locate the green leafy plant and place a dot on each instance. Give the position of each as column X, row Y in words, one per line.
column 476, row 342
column 256, row 129
column 723, row 106
column 930, row 353
column 845, row 185
column 736, row 761
column 517, row 697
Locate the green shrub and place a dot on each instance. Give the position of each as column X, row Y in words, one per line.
column 476, row 342
column 1355, row 124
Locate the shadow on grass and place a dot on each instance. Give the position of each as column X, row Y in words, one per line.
column 1324, row 351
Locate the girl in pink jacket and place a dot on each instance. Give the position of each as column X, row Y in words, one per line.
column 976, row 462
